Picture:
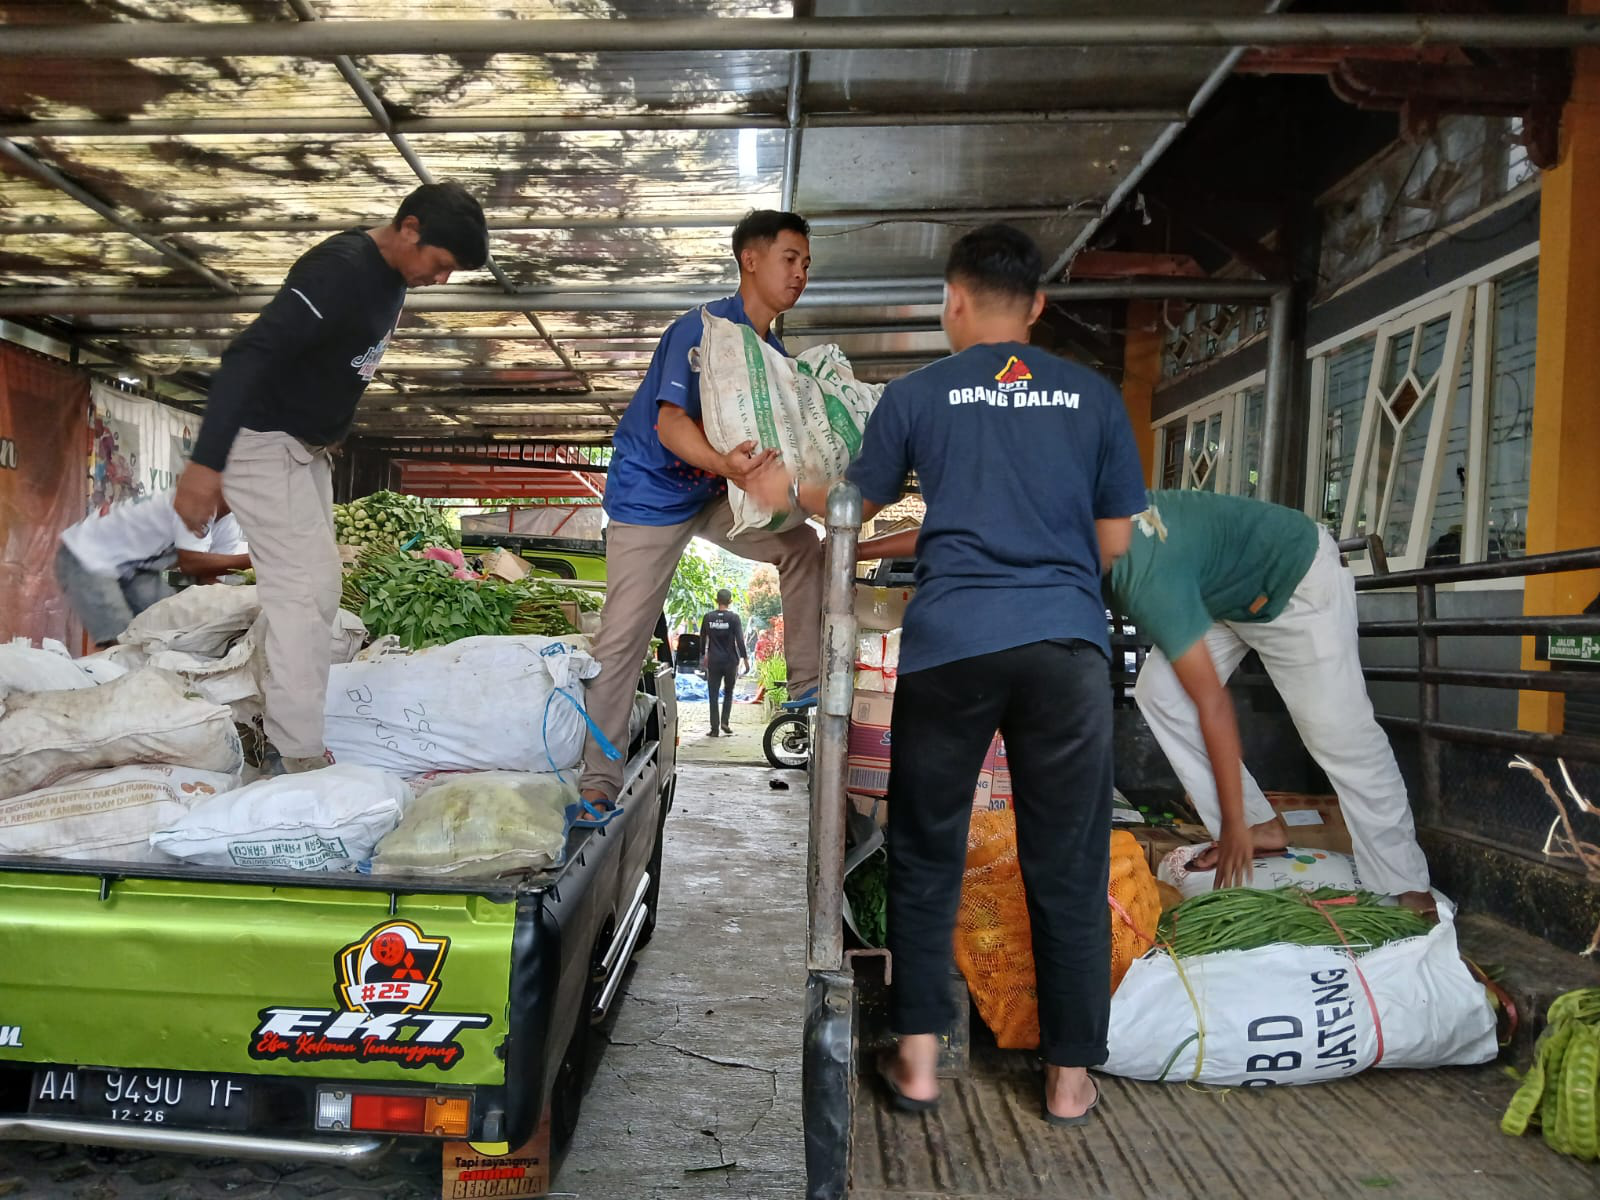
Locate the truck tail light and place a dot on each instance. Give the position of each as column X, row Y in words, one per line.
column 393, row 1112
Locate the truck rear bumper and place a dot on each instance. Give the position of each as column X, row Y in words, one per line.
column 346, row 1151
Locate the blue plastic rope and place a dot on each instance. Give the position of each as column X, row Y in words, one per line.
column 604, row 742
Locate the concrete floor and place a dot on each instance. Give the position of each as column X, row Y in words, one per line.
column 698, row 1090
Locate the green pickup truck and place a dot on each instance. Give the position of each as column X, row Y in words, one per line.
column 291, row 1015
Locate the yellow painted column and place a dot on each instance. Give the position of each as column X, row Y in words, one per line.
column 1141, row 371
column 1564, row 495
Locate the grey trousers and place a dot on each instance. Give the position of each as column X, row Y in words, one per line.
column 282, row 493
column 640, row 562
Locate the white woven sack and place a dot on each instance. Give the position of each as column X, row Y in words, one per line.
column 810, row 409
column 1300, row 1014
column 326, row 820
column 105, row 815
column 147, row 716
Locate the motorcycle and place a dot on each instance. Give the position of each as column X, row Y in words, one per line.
column 787, row 740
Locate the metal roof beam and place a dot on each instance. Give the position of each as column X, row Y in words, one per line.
column 94, row 302
column 325, row 39
column 515, row 333
column 70, row 187
column 824, row 220
column 577, row 123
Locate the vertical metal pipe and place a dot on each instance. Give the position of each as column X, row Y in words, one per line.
column 829, row 743
column 1428, row 702
column 1279, row 380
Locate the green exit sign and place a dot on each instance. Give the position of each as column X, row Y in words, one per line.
column 1582, row 648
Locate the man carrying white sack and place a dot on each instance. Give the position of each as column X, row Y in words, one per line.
column 666, row 485
column 1208, row 579
column 112, row 565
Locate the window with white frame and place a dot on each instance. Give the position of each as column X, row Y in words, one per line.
column 1215, row 444
column 1423, row 426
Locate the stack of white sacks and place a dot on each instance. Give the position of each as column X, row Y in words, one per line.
column 134, row 755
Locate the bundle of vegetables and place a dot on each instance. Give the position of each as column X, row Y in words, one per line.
column 1559, row 1092
column 867, row 889
column 1245, row 919
column 390, row 521
column 427, row 601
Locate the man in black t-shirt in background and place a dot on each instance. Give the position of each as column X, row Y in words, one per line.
column 722, row 650
column 286, row 393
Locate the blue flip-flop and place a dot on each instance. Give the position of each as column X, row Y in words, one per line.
column 584, row 815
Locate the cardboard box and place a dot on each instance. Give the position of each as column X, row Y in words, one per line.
column 483, row 1169
column 880, row 609
column 1315, row 822
column 867, row 758
column 503, row 564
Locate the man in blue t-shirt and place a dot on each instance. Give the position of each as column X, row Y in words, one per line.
column 666, row 484
column 1030, row 473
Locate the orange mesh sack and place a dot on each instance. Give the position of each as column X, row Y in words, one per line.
column 993, row 945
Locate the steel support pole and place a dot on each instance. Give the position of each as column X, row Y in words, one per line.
column 593, row 298
column 325, row 39
column 831, row 735
column 1428, row 703
column 153, row 127
column 708, row 220
column 1280, row 378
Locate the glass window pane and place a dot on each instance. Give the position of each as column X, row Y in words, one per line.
column 1450, row 505
column 1249, row 474
column 1344, row 393
column 1172, row 455
column 1511, row 414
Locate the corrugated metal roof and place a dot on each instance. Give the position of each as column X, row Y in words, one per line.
column 1063, row 169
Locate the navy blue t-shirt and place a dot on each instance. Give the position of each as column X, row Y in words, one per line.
column 1018, row 454
column 647, row 484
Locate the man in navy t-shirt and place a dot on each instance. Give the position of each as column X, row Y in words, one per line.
column 666, row 484
column 1029, row 470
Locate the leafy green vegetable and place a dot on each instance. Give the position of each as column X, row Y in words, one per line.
column 423, row 603
column 867, row 889
column 390, row 521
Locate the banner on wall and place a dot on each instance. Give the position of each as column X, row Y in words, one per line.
column 138, row 447
column 43, row 439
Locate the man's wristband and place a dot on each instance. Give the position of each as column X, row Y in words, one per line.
column 794, row 495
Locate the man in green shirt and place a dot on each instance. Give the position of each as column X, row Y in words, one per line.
column 1208, row 579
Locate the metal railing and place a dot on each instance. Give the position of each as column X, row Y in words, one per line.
column 1430, row 677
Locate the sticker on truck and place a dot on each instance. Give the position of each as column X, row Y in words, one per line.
column 384, row 984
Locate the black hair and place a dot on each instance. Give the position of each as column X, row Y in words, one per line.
column 724, row 597
column 999, row 260
column 448, row 216
column 762, row 225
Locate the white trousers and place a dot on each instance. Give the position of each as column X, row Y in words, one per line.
column 1310, row 652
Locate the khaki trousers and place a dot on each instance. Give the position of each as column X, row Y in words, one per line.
column 282, row 493
column 640, row 562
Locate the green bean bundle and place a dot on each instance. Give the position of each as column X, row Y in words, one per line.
column 1246, row 919
column 1559, row 1092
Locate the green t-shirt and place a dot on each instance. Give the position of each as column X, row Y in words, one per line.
column 1197, row 558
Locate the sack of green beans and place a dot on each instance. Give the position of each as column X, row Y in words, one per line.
column 1291, row 1014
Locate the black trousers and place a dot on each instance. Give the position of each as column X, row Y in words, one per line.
column 720, row 677
column 1052, row 703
